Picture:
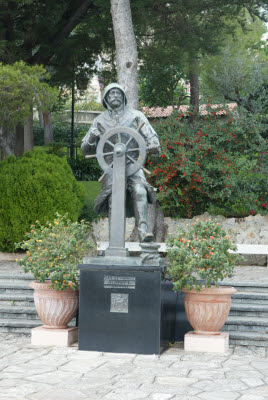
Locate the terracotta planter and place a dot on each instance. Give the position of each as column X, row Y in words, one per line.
column 55, row 308
column 208, row 309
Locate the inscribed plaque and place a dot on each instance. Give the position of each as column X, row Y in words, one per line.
column 119, row 302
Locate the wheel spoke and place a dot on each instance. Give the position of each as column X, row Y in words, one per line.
column 137, row 149
column 129, row 140
column 131, row 159
column 108, row 154
column 110, row 143
column 119, row 137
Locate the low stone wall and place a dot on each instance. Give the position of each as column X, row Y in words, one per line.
column 249, row 230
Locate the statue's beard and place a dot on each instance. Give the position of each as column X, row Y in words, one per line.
column 116, row 103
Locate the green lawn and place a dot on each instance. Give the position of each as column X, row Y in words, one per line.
column 92, row 189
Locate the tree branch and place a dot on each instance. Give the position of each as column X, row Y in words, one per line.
column 69, row 20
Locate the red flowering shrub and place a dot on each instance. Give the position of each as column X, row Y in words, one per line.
column 216, row 164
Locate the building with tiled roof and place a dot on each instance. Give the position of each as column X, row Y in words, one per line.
column 204, row 109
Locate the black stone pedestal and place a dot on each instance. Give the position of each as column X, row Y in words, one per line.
column 124, row 309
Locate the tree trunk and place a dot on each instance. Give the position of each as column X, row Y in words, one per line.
column 41, row 119
column 126, row 50
column 48, row 131
column 28, row 133
column 7, row 143
column 19, row 141
column 194, row 88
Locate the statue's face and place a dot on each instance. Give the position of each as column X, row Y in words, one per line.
column 115, row 98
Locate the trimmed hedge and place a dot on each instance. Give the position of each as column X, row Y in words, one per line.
column 84, row 169
column 35, row 187
column 61, row 133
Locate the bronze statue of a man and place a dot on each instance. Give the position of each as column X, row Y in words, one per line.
column 139, row 191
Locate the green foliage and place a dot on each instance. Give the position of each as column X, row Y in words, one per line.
column 92, row 189
column 239, row 72
column 87, row 103
column 54, row 250
column 22, row 87
column 55, row 148
column 200, row 252
column 61, row 133
column 35, row 186
column 214, row 163
column 84, row 169
column 159, row 84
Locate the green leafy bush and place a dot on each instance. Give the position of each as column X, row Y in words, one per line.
column 61, row 133
column 54, row 250
column 200, row 252
column 35, row 187
column 212, row 163
column 84, row 169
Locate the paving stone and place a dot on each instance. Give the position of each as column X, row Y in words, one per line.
column 26, row 389
column 138, row 375
column 225, row 385
column 119, row 355
column 207, row 374
column 185, row 397
column 173, row 388
column 9, row 382
column 253, row 382
column 252, row 397
column 124, row 395
column 58, row 394
column 218, row 395
column 161, row 396
column 165, row 371
column 37, row 373
column 100, row 390
column 109, row 371
column 12, row 398
column 243, row 374
column 20, row 371
column 84, row 355
column 46, row 360
column 204, row 357
column 82, row 365
column 193, row 364
column 261, row 365
column 251, row 351
column 158, row 363
column 237, row 364
column 57, row 377
column 261, row 391
column 174, row 380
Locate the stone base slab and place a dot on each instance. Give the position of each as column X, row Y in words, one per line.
column 41, row 336
column 207, row 343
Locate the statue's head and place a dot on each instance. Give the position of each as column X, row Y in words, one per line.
column 114, row 96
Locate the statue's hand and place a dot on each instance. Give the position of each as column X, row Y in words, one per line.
column 95, row 133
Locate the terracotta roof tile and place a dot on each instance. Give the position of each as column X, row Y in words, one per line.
column 160, row 112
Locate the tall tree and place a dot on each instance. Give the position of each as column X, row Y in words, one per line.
column 193, row 28
column 239, row 73
column 43, row 32
column 126, row 49
column 21, row 87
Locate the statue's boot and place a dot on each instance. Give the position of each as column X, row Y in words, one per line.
column 146, row 238
column 140, row 210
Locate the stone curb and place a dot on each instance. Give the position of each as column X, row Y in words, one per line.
column 10, row 257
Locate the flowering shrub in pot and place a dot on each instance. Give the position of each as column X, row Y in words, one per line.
column 52, row 254
column 200, row 258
